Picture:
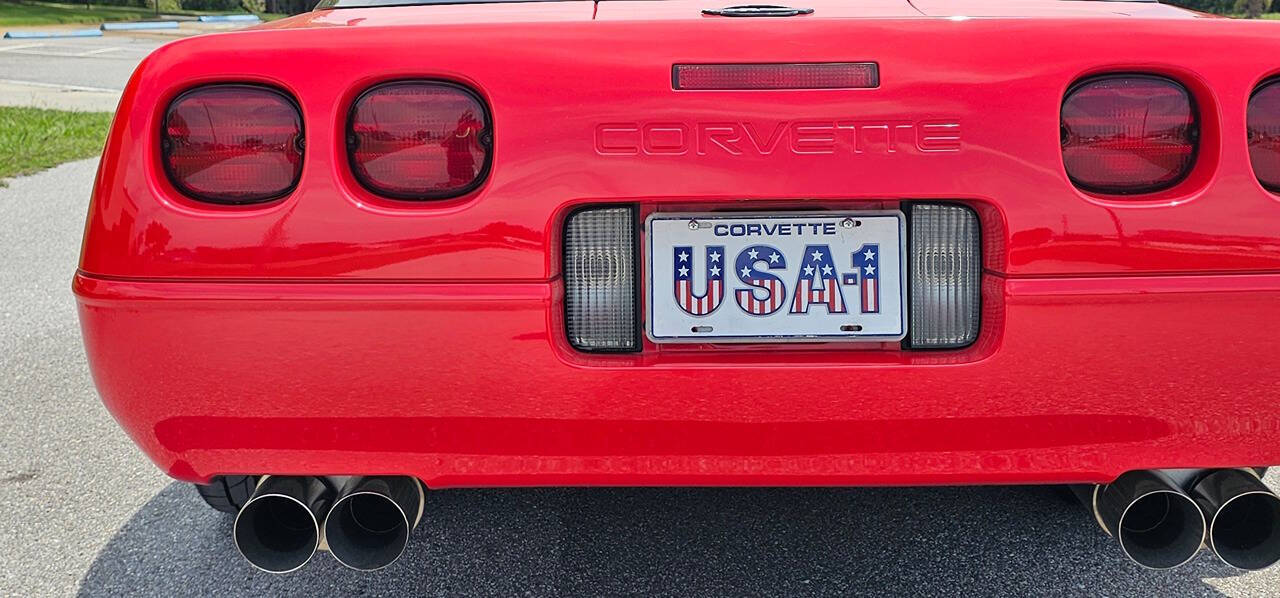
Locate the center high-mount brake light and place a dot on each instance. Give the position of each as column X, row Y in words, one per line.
column 819, row 75
column 1127, row 134
column 419, row 139
column 233, row 143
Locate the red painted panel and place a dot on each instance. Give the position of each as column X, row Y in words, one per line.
column 471, row 384
column 338, row 332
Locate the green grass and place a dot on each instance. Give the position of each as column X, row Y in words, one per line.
column 58, row 13
column 33, row 139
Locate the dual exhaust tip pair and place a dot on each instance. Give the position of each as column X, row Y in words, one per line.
column 365, row 522
column 1160, row 526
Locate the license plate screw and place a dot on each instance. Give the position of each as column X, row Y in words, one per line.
column 849, row 223
column 694, row 225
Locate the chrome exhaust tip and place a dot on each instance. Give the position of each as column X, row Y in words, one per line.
column 277, row 530
column 1157, row 525
column 1244, row 524
column 368, row 527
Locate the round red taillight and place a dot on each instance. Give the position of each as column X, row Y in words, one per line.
column 1128, row 134
column 233, row 143
column 419, row 139
column 1264, row 134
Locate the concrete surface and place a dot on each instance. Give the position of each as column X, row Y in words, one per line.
column 68, row 477
column 61, row 97
column 81, row 74
column 104, row 62
column 70, row 74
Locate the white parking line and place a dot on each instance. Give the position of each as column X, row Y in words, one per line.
column 32, row 52
column 19, row 47
column 100, row 51
column 41, row 53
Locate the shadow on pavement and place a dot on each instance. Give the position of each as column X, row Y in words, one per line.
column 901, row 542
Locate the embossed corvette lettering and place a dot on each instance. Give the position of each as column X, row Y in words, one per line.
column 798, row 137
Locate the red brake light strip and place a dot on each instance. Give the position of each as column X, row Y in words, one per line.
column 819, row 75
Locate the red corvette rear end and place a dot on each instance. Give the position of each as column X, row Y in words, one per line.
column 640, row 243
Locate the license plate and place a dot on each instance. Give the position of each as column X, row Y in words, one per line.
column 757, row 277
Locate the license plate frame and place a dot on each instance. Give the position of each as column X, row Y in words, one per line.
column 883, row 325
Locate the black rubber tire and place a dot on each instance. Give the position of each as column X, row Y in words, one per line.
column 228, row 493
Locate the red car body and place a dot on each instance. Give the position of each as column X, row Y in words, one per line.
column 336, row 331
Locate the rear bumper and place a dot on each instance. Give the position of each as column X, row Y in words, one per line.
column 1072, row 380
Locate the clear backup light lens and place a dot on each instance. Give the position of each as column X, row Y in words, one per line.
column 233, row 143
column 419, row 139
column 1128, row 134
column 600, row 279
column 946, row 276
column 1264, row 134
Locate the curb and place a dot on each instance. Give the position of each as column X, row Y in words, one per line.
column 60, row 86
column 139, row 25
column 49, row 34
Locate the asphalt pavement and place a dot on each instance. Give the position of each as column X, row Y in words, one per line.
column 83, row 512
column 70, row 73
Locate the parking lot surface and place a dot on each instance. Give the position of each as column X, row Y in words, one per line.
column 83, row 512
column 70, row 74
column 101, row 62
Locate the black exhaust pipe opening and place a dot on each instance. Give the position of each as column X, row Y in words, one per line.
column 368, row 527
column 1161, row 530
column 1244, row 528
column 1157, row 525
column 278, row 529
